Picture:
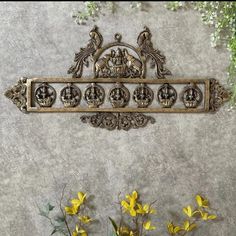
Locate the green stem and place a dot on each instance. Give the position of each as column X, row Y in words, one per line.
column 62, row 211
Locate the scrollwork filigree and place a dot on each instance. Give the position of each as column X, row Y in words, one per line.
column 218, row 95
column 147, row 50
column 18, row 94
column 81, row 58
column 120, row 121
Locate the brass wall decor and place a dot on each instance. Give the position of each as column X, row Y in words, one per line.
column 70, row 95
column 110, row 93
column 119, row 95
column 191, row 96
column 94, row 95
column 45, row 95
column 166, row 95
column 143, row 95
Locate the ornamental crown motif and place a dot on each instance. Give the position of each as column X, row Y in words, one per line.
column 114, row 68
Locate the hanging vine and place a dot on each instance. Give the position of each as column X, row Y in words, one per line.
column 222, row 17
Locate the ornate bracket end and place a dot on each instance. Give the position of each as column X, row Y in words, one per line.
column 17, row 94
column 218, row 95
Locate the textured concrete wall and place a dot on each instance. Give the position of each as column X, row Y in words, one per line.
column 179, row 156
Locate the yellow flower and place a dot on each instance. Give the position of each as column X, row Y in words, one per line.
column 130, row 205
column 129, row 208
column 188, row 211
column 71, row 210
column 173, row 229
column 147, row 225
column 78, row 231
column 145, row 209
column 85, row 219
column 76, row 203
column 125, row 231
column 188, row 226
column 80, row 200
column 202, row 202
column 133, row 196
column 74, row 234
column 206, row 216
column 82, row 232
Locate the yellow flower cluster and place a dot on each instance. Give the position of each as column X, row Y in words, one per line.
column 133, row 207
column 139, row 212
column 74, row 210
column 135, row 219
column 199, row 213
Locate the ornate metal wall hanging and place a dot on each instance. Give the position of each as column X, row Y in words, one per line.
column 115, row 67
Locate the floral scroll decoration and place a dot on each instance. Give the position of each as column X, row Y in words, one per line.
column 18, row 94
column 81, row 58
column 146, row 48
column 120, row 121
column 219, row 95
column 119, row 63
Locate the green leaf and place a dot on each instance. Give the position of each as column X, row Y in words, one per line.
column 50, row 207
column 43, row 213
column 60, row 219
column 54, row 231
column 114, row 225
column 58, row 229
column 45, row 210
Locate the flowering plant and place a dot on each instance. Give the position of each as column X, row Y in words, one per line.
column 194, row 216
column 139, row 222
column 73, row 220
column 135, row 217
column 139, row 215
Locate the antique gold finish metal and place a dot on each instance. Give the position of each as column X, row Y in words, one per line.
column 70, row 95
column 115, row 67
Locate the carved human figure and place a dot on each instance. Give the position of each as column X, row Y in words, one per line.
column 94, row 95
column 143, row 95
column 119, row 95
column 191, row 96
column 70, row 96
column 45, row 95
column 166, row 95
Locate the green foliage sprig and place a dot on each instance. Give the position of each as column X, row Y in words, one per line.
column 222, row 17
column 73, row 220
column 93, row 9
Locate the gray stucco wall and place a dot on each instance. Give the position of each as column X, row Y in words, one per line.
column 172, row 160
